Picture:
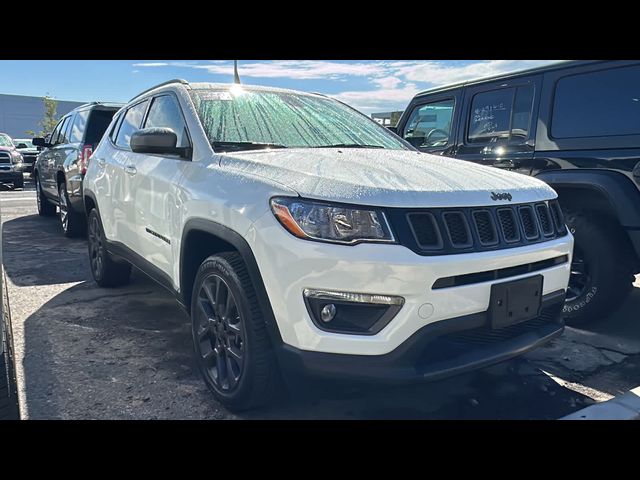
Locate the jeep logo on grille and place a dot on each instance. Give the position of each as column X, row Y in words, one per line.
column 501, row 196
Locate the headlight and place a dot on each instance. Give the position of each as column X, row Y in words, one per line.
column 331, row 223
column 17, row 158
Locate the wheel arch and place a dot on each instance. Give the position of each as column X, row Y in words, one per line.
column 611, row 192
column 605, row 193
column 202, row 238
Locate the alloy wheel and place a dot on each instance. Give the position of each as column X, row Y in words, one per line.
column 38, row 198
column 95, row 246
column 220, row 333
column 64, row 208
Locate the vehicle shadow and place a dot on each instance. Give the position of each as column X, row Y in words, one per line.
column 37, row 253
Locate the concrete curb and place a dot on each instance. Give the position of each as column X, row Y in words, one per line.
column 623, row 407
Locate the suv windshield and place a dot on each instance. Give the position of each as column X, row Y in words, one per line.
column 5, row 141
column 240, row 118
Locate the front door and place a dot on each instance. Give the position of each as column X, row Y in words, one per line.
column 497, row 127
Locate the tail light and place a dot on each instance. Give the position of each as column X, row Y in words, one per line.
column 83, row 158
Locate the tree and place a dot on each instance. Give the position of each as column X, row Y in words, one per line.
column 49, row 120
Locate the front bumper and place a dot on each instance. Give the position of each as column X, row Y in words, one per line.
column 438, row 350
column 8, row 176
column 289, row 265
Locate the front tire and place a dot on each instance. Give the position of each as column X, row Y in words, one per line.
column 45, row 208
column 73, row 223
column 601, row 276
column 230, row 339
column 19, row 183
column 106, row 271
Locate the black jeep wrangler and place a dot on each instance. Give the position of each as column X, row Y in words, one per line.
column 575, row 125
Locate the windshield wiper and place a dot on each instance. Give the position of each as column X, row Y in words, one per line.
column 245, row 145
column 348, row 145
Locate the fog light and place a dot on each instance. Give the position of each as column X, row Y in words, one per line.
column 350, row 312
column 328, row 312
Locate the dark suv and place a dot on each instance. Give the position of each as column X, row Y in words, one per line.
column 60, row 168
column 575, row 125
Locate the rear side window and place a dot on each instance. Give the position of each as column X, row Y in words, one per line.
column 597, row 104
column 501, row 116
column 62, row 137
column 99, row 120
column 165, row 112
column 77, row 129
column 130, row 123
column 430, row 125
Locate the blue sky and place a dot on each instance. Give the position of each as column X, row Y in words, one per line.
column 371, row 85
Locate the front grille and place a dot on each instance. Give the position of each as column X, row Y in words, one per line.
column 5, row 157
column 440, row 231
column 457, row 229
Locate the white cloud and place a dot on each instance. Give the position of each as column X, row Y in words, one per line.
column 151, row 64
column 394, row 82
column 380, row 100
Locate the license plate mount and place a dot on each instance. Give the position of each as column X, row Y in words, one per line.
column 515, row 301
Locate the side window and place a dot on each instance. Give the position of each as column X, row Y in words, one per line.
column 430, row 125
column 597, row 104
column 98, row 123
column 64, row 131
column 116, row 126
column 501, row 116
column 56, row 131
column 130, row 123
column 165, row 112
column 77, row 129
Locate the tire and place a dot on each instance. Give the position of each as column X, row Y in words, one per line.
column 601, row 276
column 18, row 183
column 9, row 408
column 106, row 271
column 45, row 208
column 74, row 224
column 237, row 329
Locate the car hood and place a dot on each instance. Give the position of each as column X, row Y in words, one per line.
column 7, row 149
column 28, row 150
column 393, row 178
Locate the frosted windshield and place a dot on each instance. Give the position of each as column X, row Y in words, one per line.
column 286, row 119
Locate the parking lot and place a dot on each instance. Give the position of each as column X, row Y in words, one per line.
column 87, row 352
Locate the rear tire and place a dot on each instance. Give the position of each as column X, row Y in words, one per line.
column 45, row 208
column 601, row 275
column 230, row 338
column 106, row 271
column 74, row 224
column 9, row 407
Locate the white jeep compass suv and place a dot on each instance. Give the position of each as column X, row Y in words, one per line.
column 300, row 235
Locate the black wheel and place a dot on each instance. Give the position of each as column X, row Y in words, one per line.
column 18, row 183
column 9, row 407
column 601, row 276
column 106, row 271
column 231, row 343
column 73, row 223
column 45, row 208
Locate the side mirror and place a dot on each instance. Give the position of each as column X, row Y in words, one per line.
column 393, row 129
column 39, row 142
column 159, row 141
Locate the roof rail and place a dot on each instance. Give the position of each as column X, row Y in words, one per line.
column 168, row 82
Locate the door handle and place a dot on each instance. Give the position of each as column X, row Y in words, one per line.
column 130, row 169
column 506, row 163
